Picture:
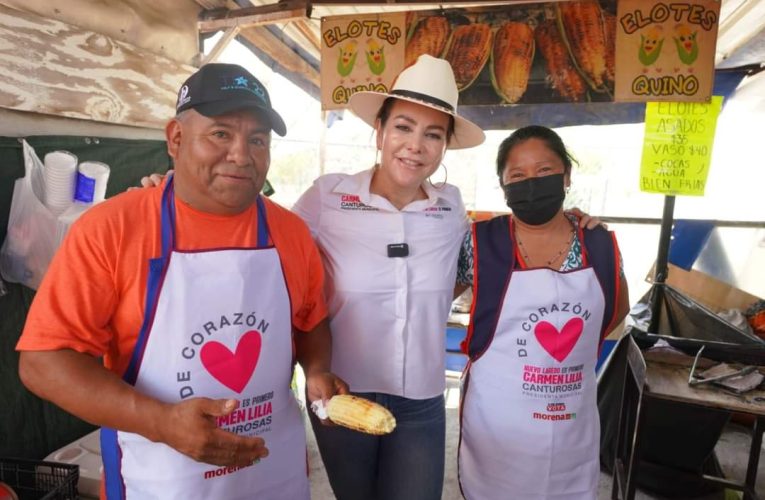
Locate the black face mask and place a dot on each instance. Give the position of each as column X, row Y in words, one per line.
column 535, row 200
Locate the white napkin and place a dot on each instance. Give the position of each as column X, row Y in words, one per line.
column 319, row 409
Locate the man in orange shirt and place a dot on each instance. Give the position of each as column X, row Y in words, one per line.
column 199, row 297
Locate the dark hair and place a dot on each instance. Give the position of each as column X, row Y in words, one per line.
column 387, row 105
column 550, row 138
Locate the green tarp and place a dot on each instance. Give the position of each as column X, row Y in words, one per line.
column 30, row 427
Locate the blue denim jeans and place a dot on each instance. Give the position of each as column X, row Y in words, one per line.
column 407, row 464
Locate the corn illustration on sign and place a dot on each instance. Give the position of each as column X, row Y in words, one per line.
column 501, row 55
column 666, row 50
column 531, row 53
column 359, row 53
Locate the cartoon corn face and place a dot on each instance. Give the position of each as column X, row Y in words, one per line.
column 685, row 42
column 347, row 58
column 651, row 43
column 375, row 57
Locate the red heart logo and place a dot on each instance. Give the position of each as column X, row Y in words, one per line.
column 559, row 344
column 232, row 369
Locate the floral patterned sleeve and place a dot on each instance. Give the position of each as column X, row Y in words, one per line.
column 621, row 265
column 465, row 262
column 574, row 259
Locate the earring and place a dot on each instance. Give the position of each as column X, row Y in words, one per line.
column 440, row 185
column 377, row 158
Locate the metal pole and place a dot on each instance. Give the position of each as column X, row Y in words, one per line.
column 662, row 258
column 323, row 143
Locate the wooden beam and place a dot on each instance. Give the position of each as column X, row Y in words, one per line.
column 211, row 4
column 216, row 51
column 164, row 27
column 281, row 12
column 53, row 68
column 274, row 48
column 310, row 35
column 421, row 3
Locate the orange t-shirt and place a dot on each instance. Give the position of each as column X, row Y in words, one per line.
column 93, row 296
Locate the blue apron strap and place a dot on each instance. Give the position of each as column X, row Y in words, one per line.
column 156, row 270
column 110, row 454
column 603, row 256
column 262, row 224
column 168, row 218
column 494, row 261
column 110, row 451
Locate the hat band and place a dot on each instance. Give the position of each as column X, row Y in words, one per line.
column 424, row 98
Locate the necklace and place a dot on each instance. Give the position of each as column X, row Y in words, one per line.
column 525, row 254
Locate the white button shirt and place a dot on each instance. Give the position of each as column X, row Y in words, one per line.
column 387, row 314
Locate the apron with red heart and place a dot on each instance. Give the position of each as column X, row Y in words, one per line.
column 529, row 422
column 217, row 325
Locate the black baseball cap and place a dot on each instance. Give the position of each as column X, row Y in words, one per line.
column 217, row 88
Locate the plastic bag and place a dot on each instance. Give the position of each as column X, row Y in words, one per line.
column 33, row 235
column 736, row 318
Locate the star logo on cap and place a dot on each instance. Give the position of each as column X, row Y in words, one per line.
column 240, row 80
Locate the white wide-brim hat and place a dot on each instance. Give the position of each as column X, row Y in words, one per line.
column 428, row 82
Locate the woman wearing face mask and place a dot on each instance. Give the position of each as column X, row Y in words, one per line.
column 545, row 295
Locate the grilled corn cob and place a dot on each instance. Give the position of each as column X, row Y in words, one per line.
column 609, row 24
column 581, row 24
column 360, row 414
column 469, row 48
column 410, row 21
column 511, row 60
column 564, row 78
column 429, row 37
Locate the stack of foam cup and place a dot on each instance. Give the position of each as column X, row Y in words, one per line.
column 90, row 189
column 92, row 177
column 60, row 170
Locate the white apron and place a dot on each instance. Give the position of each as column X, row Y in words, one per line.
column 218, row 325
column 530, row 427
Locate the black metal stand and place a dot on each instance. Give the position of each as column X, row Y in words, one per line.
column 662, row 258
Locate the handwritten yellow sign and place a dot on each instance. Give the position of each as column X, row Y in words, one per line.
column 678, row 146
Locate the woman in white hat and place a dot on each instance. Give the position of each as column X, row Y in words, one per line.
column 390, row 241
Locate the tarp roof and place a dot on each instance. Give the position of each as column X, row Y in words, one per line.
column 293, row 50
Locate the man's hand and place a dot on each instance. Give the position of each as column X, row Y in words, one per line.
column 78, row 383
column 190, row 427
column 152, row 180
column 587, row 221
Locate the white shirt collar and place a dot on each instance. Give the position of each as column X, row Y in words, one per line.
column 359, row 183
